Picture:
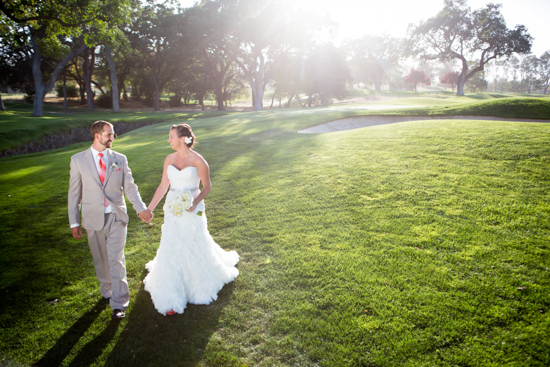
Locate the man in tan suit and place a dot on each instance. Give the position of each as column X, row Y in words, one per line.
column 99, row 179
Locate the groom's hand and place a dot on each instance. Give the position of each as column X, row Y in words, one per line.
column 146, row 215
column 77, row 233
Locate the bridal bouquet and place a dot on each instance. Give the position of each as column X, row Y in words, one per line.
column 181, row 202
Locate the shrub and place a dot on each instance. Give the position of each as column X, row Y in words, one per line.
column 148, row 101
column 29, row 98
column 72, row 92
column 175, row 101
column 104, row 101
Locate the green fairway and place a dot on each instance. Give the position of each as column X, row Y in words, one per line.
column 422, row 243
column 17, row 127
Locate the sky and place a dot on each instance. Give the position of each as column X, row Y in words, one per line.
column 356, row 18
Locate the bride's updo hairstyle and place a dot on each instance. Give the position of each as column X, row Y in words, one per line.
column 184, row 130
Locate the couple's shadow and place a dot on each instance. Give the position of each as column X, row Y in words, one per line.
column 94, row 348
column 147, row 338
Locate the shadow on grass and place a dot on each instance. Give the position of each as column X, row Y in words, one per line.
column 64, row 345
column 151, row 339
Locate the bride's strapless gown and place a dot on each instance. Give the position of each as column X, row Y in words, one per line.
column 189, row 266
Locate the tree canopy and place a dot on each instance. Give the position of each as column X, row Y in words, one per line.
column 217, row 47
column 416, row 77
column 457, row 32
column 53, row 30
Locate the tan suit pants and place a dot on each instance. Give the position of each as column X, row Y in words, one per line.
column 107, row 247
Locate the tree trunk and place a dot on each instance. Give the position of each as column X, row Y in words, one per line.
column 157, row 93
column 82, row 92
column 259, row 94
column 203, row 92
column 38, row 100
column 80, row 81
column 87, row 71
column 290, row 100
column 114, row 82
column 64, row 88
column 299, row 101
column 122, row 81
column 200, row 96
column 219, row 95
column 2, row 107
column 462, row 78
column 377, row 82
column 255, row 80
column 272, row 100
column 39, row 87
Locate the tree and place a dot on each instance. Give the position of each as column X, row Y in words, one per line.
column 514, row 65
column 477, row 83
column 286, row 74
column 543, row 71
column 257, row 25
column 450, row 78
column 326, row 75
column 14, row 69
column 456, row 32
column 374, row 56
column 159, row 35
column 49, row 28
column 209, row 27
column 528, row 69
column 416, row 77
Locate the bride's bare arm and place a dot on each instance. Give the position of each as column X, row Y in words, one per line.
column 161, row 190
column 204, row 175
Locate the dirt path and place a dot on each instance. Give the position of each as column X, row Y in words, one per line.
column 366, row 121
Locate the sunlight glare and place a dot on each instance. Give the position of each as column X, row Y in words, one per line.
column 356, row 18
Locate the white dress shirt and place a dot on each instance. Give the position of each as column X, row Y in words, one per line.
column 95, row 153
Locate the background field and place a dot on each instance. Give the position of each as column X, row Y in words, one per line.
column 412, row 244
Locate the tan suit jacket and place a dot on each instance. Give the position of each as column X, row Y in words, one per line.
column 86, row 191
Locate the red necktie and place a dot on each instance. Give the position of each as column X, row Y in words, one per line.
column 102, row 172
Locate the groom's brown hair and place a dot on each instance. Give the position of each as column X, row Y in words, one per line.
column 97, row 127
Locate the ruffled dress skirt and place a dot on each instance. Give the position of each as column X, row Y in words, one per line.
column 189, row 267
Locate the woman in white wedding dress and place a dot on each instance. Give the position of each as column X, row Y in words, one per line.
column 189, row 266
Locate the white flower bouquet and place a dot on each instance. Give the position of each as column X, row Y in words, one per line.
column 181, row 202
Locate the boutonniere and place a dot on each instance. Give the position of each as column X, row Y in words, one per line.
column 115, row 165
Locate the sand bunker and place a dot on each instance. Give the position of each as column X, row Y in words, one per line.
column 366, row 121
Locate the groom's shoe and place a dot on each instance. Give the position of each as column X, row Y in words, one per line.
column 107, row 299
column 118, row 314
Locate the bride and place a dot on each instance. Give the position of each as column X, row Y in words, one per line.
column 189, row 266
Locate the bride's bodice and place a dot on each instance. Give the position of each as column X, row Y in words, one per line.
column 182, row 180
column 186, row 179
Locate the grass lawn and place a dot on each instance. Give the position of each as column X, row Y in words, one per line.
column 413, row 244
column 17, row 126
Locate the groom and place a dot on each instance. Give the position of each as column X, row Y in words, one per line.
column 99, row 179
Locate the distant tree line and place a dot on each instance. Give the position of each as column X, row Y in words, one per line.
column 224, row 49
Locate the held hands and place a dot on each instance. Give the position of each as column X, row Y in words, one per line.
column 146, row 215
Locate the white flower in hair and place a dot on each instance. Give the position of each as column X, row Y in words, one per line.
column 188, row 140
